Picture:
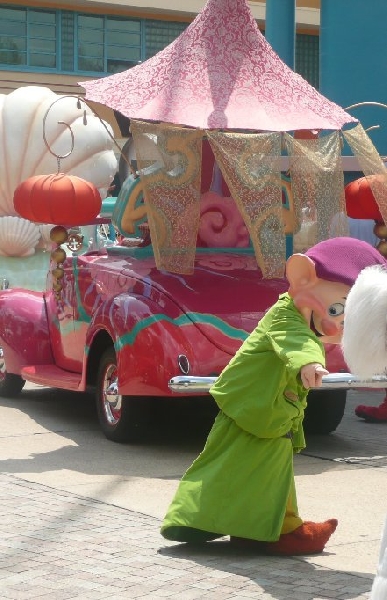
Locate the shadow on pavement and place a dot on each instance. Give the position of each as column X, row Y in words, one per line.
column 275, row 575
column 178, row 427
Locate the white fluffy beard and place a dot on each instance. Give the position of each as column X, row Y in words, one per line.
column 364, row 338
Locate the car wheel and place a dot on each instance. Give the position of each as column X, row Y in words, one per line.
column 10, row 384
column 122, row 418
column 324, row 411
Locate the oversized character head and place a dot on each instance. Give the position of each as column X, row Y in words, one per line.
column 365, row 333
column 320, row 281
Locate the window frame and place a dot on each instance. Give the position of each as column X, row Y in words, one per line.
column 151, row 41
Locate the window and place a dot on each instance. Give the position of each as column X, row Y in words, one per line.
column 70, row 42
column 41, row 33
column 159, row 34
column 28, row 37
column 64, row 41
column 307, row 58
column 67, row 41
column 108, row 44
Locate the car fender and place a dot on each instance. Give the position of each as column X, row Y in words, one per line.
column 146, row 333
column 24, row 331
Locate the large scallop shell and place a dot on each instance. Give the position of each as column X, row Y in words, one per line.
column 18, row 237
column 24, row 153
column 45, row 241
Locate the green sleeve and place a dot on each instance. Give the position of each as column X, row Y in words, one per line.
column 292, row 339
column 260, row 389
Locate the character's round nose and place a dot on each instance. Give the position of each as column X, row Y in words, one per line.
column 329, row 327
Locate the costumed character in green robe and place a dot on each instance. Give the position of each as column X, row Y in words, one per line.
column 242, row 484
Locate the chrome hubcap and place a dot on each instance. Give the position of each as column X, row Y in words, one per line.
column 111, row 400
column 3, row 370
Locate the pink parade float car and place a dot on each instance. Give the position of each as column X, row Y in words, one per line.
column 113, row 317
column 119, row 325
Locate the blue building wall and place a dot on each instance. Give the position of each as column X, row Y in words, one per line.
column 353, row 60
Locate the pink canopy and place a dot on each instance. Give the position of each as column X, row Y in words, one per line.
column 220, row 73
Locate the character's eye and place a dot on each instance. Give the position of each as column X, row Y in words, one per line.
column 336, row 309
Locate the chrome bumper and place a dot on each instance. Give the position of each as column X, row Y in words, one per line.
column 184, row 384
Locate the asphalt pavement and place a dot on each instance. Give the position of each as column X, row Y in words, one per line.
column 80, row 516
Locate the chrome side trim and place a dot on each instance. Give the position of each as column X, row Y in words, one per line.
column 195, row 385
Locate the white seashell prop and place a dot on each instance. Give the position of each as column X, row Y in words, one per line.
column 18, row 237
column 45, row 241
column 23, row 152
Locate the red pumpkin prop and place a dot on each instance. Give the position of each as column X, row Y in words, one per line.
column 58, row 199
column 360, row 201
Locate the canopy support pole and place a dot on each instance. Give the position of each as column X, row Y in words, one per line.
column 280, row 29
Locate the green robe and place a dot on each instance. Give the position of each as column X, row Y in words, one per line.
column 241, row 482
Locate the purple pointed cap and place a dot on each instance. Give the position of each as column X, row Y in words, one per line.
column 341, row 259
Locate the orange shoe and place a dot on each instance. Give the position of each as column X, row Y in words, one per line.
column 309, row 538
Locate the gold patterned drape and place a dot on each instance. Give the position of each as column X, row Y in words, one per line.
column 250, row 164
column 169, row 161
column 318, row 188
column 370, row 163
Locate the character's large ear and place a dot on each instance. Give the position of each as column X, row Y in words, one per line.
column 300, row 272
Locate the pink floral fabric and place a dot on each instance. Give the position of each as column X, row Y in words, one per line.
column 220, row 73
